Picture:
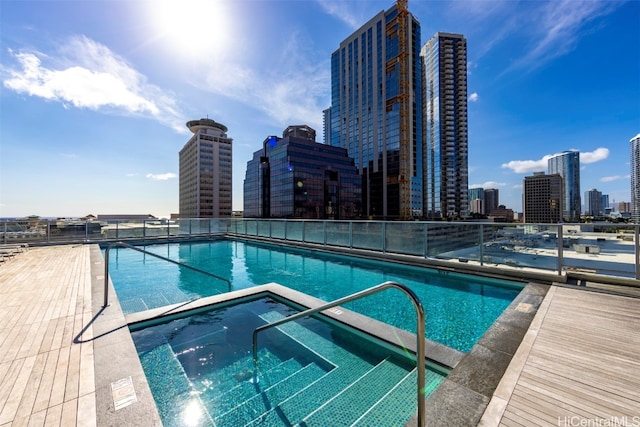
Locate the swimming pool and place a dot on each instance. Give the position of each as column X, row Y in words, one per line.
column 458, row 308
column 201, row 372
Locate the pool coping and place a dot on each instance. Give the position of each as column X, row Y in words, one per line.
column 460, row 400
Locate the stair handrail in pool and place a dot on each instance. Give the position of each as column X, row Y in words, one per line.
column 128, row 246
column 420, row 332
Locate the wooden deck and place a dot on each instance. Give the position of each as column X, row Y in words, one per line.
column 578, row 365
column 45, row 301
column 579, row 361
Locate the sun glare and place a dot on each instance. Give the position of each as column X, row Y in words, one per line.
column 192, row 27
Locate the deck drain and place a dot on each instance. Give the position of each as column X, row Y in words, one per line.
column 123, row 393
column 524, row 307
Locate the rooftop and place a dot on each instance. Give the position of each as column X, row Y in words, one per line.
column 572, row 353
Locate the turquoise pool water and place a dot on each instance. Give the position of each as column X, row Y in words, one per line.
column 201, row 372
column 458, row 308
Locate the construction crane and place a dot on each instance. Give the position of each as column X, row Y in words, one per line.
column 406, row 140
column 397, row 28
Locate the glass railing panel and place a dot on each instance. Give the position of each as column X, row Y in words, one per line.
column 314, row 232
column 251, row 227
column 278, row 229
column 405, row 238
column 448, row 240
column 517, row 246
column 264, row 228
column 607, row 249
column 367, row 235
column 338, row 233
column 294, row 230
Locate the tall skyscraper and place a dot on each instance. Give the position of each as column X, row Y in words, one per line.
column 296, row 177
column 635, row 178
column 476, row 201
column 376, row 111
column 542, row 198
column 593, row 203
column 206, row 171
column 491, row 199
column 445, row 149
column 567, row 165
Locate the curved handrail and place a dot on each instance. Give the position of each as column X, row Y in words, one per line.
column 420, row 331
column 128, row 246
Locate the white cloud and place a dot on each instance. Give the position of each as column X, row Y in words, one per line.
column 86, row 74
column 556, row 28
column 614, row 178
column 528, row 166
column 343, row 11
column 474, row 97
column 293, row 90
column 161, row 176
column 488, row 184
column 594, row 156
column 541, row 165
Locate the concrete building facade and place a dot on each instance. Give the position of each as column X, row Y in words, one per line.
column 205, row 171
column 543, row 196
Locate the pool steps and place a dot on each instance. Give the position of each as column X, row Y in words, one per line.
column 332, row 395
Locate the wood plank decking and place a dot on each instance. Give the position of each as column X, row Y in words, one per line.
column 578, row 365
column 578, row 362
column 45, row 301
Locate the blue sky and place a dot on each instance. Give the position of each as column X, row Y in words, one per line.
column 95, row 94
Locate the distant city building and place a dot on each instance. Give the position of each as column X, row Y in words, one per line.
column 501, row 214
column 476, row 201
column 491, row 199
column 624, row 207
column 635, row 178
column 542, row 198
column 206, row 171
column 567, row 165
column 326, row 125
column 376, row 111
column 445, row 127
column 593, row 203
column 296, row 177
column 605, row 203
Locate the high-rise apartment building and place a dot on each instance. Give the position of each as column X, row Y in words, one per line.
column 635, row 178
column 206, row 171
column 593, row 203
column 567, row 165
column 542, row 198
column 491, row 199
column 445, row 149
column 376, row 111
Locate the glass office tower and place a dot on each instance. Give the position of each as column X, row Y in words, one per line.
column 567, row 165
column 376, row 111
column 296, row 177
column 446, row 152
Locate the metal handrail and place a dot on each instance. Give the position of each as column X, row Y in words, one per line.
column 128, row 246
column 420, row 332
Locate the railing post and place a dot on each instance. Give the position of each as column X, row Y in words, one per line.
column 481, row 244
column 637, row 245
column 106, row 277
column 384, row 237
column 304, row 226
column 117, row 231
column 144, row 230
column 324, row 232
column 48, row 231
column 5, row 232
column 560, row 249
column 426, row 240
column 350, row 234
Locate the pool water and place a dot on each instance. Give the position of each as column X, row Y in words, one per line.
column 458, row 308
column 201, row 372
